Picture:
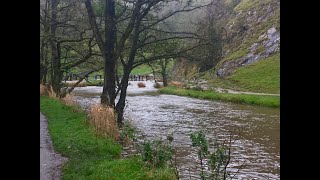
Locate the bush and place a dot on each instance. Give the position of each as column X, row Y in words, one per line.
column 104, row 120
column 176, row 84
column 197, row 88
column 218, row 160
column 157, row 85
column 141, row 84
column 157, row 153
column 128, row 133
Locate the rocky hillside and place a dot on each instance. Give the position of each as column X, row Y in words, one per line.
column 253, row 35
column 255, row 32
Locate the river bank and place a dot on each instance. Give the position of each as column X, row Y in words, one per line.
column 261, row 100
column 155, row 115
column 90, row 156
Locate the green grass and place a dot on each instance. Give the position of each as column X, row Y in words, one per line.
column 247, row 4
column 143, row 69
column 90, row 156
column 262, row 76
column 269, row 101
column 95, row 83
column 237, row 54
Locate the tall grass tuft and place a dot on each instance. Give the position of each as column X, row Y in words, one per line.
column 70, row 101
column 104, row 121
column 47, row 90
column 43, row 90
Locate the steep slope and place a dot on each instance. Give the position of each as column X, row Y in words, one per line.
column 261, row 76
column 254, row 35
column 251, row 51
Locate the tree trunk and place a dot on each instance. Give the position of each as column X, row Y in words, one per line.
column 45, row 70
column 164, row 72
column 44, row 64
column 122, row 100
column 127, row 70
column 164, row 78
column 109, row 86
column 56, row 74
column 41, row 72
column 44, row 44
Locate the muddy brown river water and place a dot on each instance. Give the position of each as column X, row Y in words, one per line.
column 255, row 148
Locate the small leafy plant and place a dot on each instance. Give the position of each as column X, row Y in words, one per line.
column 128, row 133
column 157, row 153
column 218, row 160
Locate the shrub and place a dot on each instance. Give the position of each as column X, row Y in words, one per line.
column 197, row 88
column 128, row 133
column 218, row 160
column 141, row 84
column 157, row 85
column 157, row 153
column 176, row 84
column 104, row 121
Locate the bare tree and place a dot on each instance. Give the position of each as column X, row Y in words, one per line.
column 66, row 34
column 135, row 24
column 44, row 48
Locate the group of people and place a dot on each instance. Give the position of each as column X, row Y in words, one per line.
column 138, row 77
column 134, row 77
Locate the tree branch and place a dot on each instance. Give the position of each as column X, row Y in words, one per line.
column 174, row 55
column 171, row 14
column 95, row 29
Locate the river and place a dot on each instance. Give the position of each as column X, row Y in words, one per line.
column 255, row 151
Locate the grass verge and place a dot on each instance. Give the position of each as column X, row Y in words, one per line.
column 95, row 83
column 262, row 76
column 269, row 101
column 90, row 156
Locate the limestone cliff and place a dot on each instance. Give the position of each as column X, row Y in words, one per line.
column 252, row 34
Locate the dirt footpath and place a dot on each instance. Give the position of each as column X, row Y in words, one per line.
column 50, row 162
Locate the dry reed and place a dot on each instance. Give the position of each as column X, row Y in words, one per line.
column 176, row 84
column 47, row 90
column 104, row 121
column 43, row 90
column 69, row 100
column 51, row 92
